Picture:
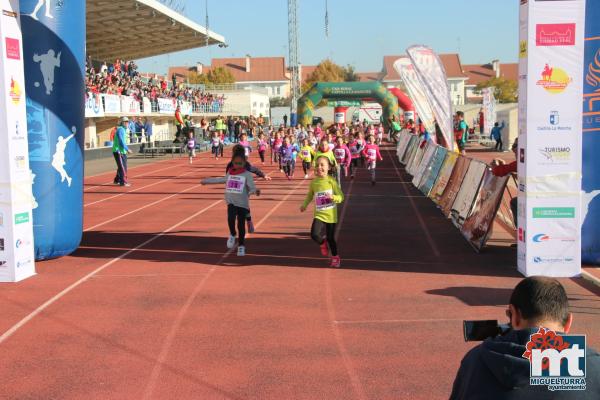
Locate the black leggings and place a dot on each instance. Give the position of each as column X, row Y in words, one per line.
column 287, row 167
column 354, row 165
column 240, row 213
column 262, row 155
column 306, row 167
column 321, row 231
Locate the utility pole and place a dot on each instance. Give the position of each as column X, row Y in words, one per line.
column 293, row 58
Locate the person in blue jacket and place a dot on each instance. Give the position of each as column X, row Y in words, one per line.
column 120, row 151
column 497, row 135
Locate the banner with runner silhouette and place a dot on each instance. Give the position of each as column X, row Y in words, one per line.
column 54, row 58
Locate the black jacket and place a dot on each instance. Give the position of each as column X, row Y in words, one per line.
column 496, row 370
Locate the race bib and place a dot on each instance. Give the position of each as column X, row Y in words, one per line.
column 235, row 184
column 246, row 151
column 191, row 144
column 340, row 153
column 305, row 153
column 324, row 201
column 372, row 153
column 216, row 142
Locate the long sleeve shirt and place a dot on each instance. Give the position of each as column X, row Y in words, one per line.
column 328, row 154
column 371, row 152
column 327, row 195
column 249, row 167
column 119, row 142
column 287, row 153
column 497, row 132
column 239, row 185
column 342, row 155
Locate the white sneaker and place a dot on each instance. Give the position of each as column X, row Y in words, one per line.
column 241, row 251
column 231, row 242
column 306, row 176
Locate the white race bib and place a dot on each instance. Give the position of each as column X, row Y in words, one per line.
column 324, row 200
column 235, row 184
column 372, row 153
column 340, row 153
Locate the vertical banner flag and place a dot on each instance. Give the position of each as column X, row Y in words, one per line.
column 54, row 61
column 489, row 110
column 16, row 225
column 590, row 213
column 432, row 75
column 416, row 92
column 550, row 153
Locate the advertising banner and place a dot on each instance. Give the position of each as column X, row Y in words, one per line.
column 413, row 164
column 476, row 227
column 16, row 200
column 93, row 105
column 410, row 149
column 429, row 150
column 432, row 75
column 468, row 190
column 146, row 106
column 443, row 177
column 489, row 110
column 433, row 171
column 167, row 106
column 590, row 211
column 550, row 141
column 403, row 140
column 186, row 107
column 454, row 183
column 130, row 105
column 416, row 92
column 112, row 103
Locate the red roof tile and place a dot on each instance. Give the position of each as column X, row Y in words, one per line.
column 480, row 73
column 368, row 76
column 451, row 63
column 262, row 69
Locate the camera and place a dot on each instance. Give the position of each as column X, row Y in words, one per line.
column 475, row 331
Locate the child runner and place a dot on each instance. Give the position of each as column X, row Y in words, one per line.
column 306, row 155
column 244, row 142
column 355, row 149
column 239, row 150
column 277, row 142
column 327, row 195
column 371, row 153
column 286, row 154
column 216, row 144
column 295, row 151
column 239, row 185
column 379, row 131
column 312, row 140
column 343, row 158
column 261, row 146
column 191, row 145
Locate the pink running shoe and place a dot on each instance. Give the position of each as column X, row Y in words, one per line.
column 324, row 250
column 335, row 262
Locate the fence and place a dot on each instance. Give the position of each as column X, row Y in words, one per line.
column 464, row 189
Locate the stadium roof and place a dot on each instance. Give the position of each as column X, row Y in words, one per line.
column 132, row 29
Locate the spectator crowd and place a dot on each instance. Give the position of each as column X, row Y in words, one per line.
column 122, row 78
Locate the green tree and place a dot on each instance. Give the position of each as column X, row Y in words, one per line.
column 326, row 71
column 350, row 74
column 215, row 76
column 505, row 90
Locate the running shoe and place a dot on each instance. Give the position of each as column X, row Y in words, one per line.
column 335, row 262
column 125, row 184
column 305, row 176
column 324, row 250
column 250, row 226
column 372, row 183
column 241, row 251
column 231, row 242
column 289, row 178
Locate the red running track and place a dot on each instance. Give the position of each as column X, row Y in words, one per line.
column 152, row 306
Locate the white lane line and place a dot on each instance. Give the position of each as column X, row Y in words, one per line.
column 168, row 343
column 136, row 189
column 110, row 184
column 417, row 213
column 7, row 334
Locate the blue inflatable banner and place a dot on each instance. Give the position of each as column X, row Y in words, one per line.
column 54, row 58
column 590, row 241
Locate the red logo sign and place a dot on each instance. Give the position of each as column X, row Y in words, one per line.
column 13, row 49
column 521, row 235
column 555, row 35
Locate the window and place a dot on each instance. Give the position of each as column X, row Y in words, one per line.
column 278, row 90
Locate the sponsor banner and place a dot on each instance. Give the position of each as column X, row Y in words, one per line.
column 489, row 110
column 476, row 227
column 186, row 107
column 550, row 151
column 429, row 150
column 432, row 75
column 410, row 150
column 93, row 105
column 167, row 106
column 454, row 183
column 443, row 177
column 468, row 191
column 130, row 105
column 416, row 92
column 403, row 140
column 112, row 104
column 15, row 183
column 433, row 171
column 147, row 105
column 590, row 211
column 414, row 163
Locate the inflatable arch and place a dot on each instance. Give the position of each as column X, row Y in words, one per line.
column 404, row 101
column 346, row 91
column 54, row 60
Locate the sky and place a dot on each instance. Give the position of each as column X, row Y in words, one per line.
column 360, row 32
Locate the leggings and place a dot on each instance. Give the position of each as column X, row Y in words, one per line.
column 261, row 154
column 354, row 165
column 371, row 167
column 287, row 167
column 306, row 167
column 240, row 213
column 321, row 231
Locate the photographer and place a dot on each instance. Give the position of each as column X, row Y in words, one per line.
column 496, row 369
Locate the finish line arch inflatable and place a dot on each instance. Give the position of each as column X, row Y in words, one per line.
column 54, row 59
column 346, row 91
column 404, row 102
